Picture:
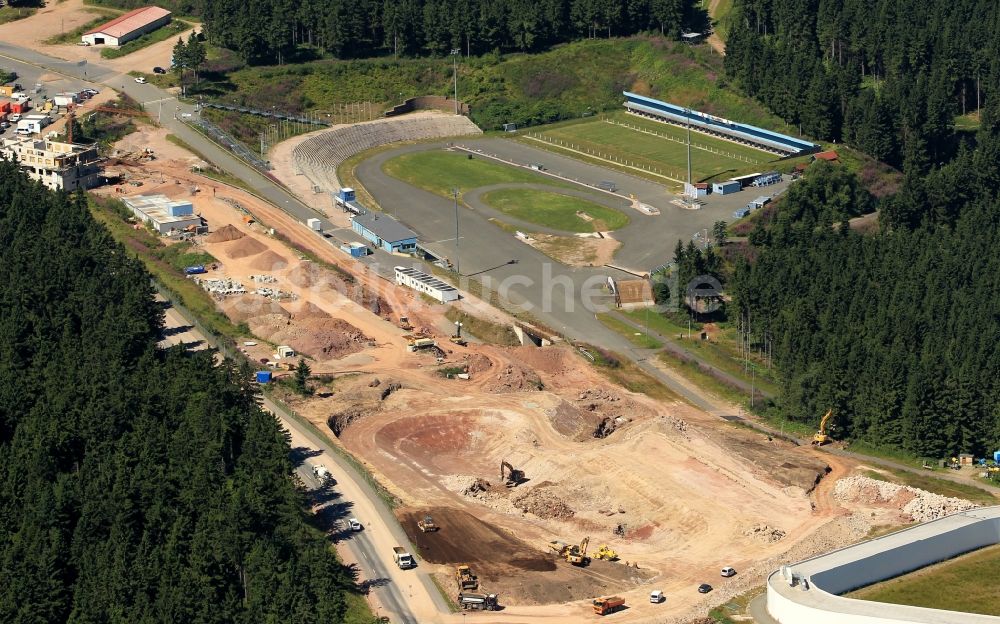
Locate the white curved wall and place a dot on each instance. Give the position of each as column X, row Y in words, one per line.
column 814, row 597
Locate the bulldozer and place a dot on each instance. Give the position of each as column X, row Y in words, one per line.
column 577, row 555
column 605, row 552
column 513, row 476
column 465, row 577
column 404, row 323
column 427, row 525
column 821, row 437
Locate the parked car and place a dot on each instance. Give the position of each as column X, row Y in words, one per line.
column 656, row 596
column 140, row 80
column 159, row 70
column 91, row 91
column 704, row 588
column 15, row 117
column 727, row 572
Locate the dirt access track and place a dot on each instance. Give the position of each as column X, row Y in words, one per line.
column 675, row 491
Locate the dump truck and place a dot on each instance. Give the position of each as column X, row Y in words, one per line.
column 402, row 558
column 466, row 578
column 559, row 546
column 478, row 602
column 415, row 343
column 608, row 604
column 427, row 525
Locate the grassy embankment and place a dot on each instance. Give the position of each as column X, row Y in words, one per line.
column 11, row 14
column 967, row 583
column 554, row 210
column 73, row 36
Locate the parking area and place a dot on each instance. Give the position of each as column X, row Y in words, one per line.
column 39, row 89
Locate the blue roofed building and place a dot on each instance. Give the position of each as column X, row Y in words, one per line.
column 385, row 232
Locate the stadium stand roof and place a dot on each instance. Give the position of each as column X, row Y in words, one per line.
column 743, row 133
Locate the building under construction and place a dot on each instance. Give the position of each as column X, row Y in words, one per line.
column 57, row 165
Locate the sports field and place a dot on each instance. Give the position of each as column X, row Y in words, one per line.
column 441, row 171
column 650, row 146
column 554, row 210
column 967, row 583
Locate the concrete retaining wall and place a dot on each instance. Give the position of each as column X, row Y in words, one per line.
column 427, row 102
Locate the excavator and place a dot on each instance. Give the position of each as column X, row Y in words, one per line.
column 513, row 477
column 821, row 436
column 577, row 555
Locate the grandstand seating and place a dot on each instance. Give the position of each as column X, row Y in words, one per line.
column 318, row 158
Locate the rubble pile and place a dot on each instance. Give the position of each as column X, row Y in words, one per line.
column 542, row 502
column 513, row 378
column 764, row 533
column 919, row 505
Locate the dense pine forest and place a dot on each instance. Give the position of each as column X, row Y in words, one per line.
column 273, row 31
column 896, row 331
column 885, row 76
column 136, row 484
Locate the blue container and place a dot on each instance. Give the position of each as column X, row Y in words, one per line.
column 263, row 377
column 996, row 456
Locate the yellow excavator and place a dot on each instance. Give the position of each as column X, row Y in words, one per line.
column 821, row 436
column 577, row 555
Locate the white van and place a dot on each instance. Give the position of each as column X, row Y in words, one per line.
column 656, row 596
column 727, row 572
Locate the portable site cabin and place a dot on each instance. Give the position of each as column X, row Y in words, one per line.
column 727, row 187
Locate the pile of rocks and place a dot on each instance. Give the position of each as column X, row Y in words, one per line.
column 919, row 505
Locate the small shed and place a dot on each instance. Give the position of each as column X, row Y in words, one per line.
column 829, row 156
column 284, row 351
column 727, row 187
column 355, row 250
column 263, row 377
column 965, row 459
column 742, row 212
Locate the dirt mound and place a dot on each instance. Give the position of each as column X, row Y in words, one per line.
column 573, row 422
column 269, row 261
column 320, row 338
column 305, row 309
column 542, row 502
column 464, row 538
column 477, row 363
column 309, row 275
column 546, row 361
column 224, row 234
column 919, row 505
column 243, row 247
column 513, row 378
column 764, row 533
column 244, row 307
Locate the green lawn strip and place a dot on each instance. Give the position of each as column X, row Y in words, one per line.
column 938, row 486
column 704, row 380
column 555, row 210
column 441, row 171
column 169, row 31
column 625, row 373
column 11, row 14
column 102, row 15
column 651, row 150
column 637, row 338
column 960, row 584
column 211, row 171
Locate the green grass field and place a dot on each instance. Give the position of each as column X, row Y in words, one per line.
column 10, row 14
column 637, row 338
column 72, row 36
column 968, row 583
column 441, row 171
column 648, row 148
column 555, row 210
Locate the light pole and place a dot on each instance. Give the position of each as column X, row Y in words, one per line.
column 458, row 266
column 454, row 57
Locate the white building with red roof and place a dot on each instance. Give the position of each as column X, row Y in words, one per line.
column 128, row 26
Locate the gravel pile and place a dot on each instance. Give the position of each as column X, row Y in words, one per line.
column 919, row 505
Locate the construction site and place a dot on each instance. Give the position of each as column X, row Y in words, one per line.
column 522, row 477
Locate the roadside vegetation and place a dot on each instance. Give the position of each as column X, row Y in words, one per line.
column 73, row 36
column 483, row 329
column 960, row 584
column 555, row 210
column 636, row 337
column 12, row 14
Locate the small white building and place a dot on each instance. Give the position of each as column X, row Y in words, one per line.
column 128, row 26
column 427, row 284
column 57, row 165
column 168, row 217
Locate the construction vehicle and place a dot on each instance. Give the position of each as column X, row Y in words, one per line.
column 559, row 546
column 606, row 553
column 458, row 340
column 402, row 558
column 513, row 476
column 404, row 323
column 577, row 555
column 466, row 578
column 413, row 343
column 427, row 525
column 821, row 436
column 608, row 604
column 478, row 602
column 954, row 463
